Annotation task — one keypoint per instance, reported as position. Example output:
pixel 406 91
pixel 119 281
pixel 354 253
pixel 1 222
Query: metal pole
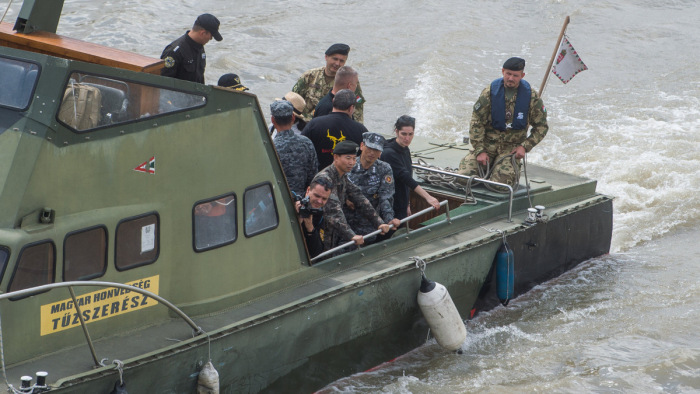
pixel 376 232
pixel 82 324
pixel 554 54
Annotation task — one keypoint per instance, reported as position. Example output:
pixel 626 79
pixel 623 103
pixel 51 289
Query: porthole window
pixel 137 242
pixel 214 222
pixel 260 210
pixel 85 254
pixel 36 266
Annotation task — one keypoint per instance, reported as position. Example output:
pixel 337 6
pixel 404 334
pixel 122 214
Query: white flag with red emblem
pixel 568 62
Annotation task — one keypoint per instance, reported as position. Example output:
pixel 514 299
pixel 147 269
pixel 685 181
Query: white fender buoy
pixel 208 381
pixel 441 314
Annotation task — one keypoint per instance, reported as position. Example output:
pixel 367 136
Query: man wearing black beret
pixel 336 229
pixel 499 126
pixel 317 82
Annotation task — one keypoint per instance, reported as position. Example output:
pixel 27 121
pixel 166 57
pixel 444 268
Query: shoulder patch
pixel 477 105
pixel 169 62
pixel 389 179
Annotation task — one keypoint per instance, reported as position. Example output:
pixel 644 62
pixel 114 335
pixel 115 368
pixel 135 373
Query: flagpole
pixel 551 61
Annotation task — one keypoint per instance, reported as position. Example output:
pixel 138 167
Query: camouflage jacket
pixel 481 133
pixel 298 158
pixel 335 228
pixel 377 185
pixel 314 84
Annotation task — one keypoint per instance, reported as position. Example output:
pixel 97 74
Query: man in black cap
pixel 336 230
pixel 185 58
pixel 231 81
pixel 499 126
pixel 327 131
pixel 317 82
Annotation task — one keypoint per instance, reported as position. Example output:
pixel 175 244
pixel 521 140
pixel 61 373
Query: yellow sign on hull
pixel 98 305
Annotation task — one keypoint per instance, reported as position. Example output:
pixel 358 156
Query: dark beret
pixel 346 148
pixel 341 49
pixel 514 64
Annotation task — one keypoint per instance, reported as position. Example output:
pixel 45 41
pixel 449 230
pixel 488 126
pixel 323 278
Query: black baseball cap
pixel 210 24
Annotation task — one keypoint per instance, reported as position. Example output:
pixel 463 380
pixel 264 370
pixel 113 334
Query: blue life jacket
pixel 498 105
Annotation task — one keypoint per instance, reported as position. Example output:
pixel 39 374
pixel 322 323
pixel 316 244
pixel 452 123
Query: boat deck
pixel 566 191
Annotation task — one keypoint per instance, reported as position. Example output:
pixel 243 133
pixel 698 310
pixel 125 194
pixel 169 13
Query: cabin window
pixel 214 222
pixel 137 242
pixel 17 79
pixel 92 101
pixel 260 210
pixel 85 254
pixel 4 255
pixel 36 266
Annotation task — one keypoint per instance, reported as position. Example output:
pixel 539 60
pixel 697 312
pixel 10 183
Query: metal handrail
pixel 42 288
pixel 376 232
pixel 467 177
pixel 69 285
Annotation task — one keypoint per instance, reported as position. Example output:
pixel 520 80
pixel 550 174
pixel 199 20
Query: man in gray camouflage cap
pixel 336 230
pixel 376 181
pixel 296 152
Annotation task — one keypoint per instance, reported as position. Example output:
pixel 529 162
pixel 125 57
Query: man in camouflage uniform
pixel 296 152
pixel 376 181
pixel 499 125
pixel 336 230
pixel 317 82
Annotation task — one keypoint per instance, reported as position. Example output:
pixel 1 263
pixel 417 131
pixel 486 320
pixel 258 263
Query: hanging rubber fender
pixel 505 273
pixel 208 380
pixel 441 314
pixel 119 388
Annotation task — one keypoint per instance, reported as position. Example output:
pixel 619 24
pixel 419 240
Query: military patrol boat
pixel 136 243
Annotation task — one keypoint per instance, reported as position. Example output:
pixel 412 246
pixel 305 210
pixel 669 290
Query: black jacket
pixel 184 59
pixel 399 158
pixel 326 131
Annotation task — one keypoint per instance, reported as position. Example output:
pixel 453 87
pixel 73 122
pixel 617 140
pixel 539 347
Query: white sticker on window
pixel 148 238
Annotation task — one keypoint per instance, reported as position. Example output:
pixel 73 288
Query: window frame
pixel 19 259
pixel 4 263
pixel 106 252
pixel 157 241
pixel 245 214
pixel 31 94
pixel 235 218
pixel 83 74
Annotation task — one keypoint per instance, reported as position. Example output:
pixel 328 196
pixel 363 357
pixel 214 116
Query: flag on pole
pixel 568 63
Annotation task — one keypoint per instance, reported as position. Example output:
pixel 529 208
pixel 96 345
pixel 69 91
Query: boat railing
pixel 39 289
pixel 474 179
pixel 377 232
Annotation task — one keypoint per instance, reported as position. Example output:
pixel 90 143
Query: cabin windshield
pixel 93 101
pixel 17 82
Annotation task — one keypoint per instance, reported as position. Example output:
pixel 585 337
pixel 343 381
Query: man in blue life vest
pixel 499 126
